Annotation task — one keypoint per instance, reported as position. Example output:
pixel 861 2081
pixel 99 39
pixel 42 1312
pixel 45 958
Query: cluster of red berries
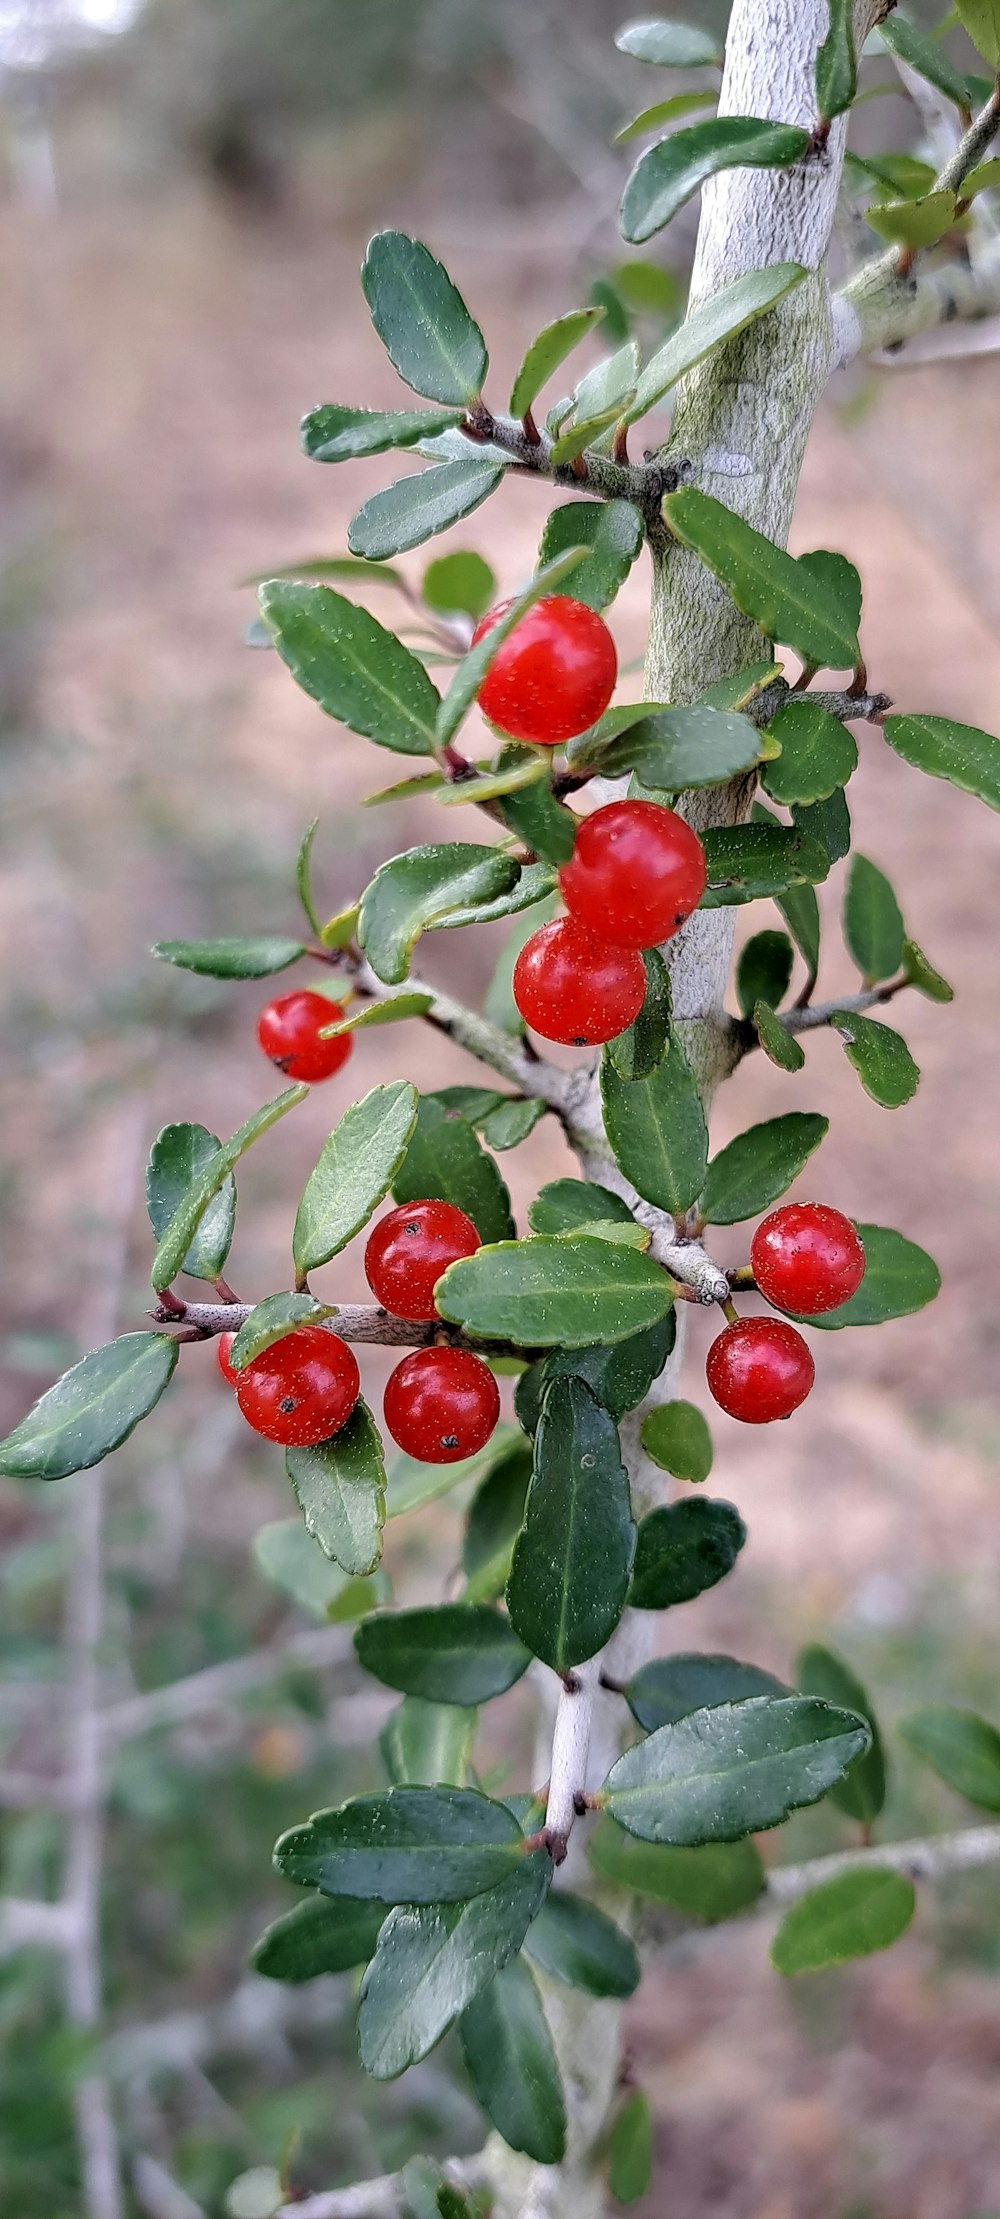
pixel 441 1404
pixel 806 1258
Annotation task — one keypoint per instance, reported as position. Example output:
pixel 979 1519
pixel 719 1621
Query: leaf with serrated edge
pixel 737 1769
pixel 175 1242
pixel 668 174
pixel 409 1845
pixel 677 1438
pixel 780 592
pixel 340 1489
pixel 611 532
pixel 413 890
pixel 554 1293
pixel 445 1162
pixel 759 1165
pixel 899 1278
pixel 92 1409
pixel 422 320
pixel 359 672
pixel 960 753
pixel 656 1128
pixel 270 1321
pixel 569 1205
pixel 431 1963
pixel 512 2064
pixel 817 754
pixel 779 1045
pixel 682 1549
pixel 356 1168
pixel 177 1156
pixel 546 352
pixel 570 1570
pixel 322 1935
pixel 728 311
pixel 670 1687
pixel 335 434
pixel 464 1653
pixel 413 509
pixel 851 1915
pixel 880 1057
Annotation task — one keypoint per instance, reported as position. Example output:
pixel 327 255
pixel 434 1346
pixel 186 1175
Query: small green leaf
pixel 340 1490
pixel 837 63
pixel 926 55
pixel 177 1157
pixel 880 1057
pixel 546 352
pixel 671 750
pixel 584 432
pixel 392 1011
pixel 667 175
pixel 417 889
pixel 423 321
pixel 91 1409
pixel 805 604
pixel 611 532
pixel 542 822
pixel 962 1749
pixel 728 312
pixel 606 388
pixel 512 2064
pixel 177 1237
pixel 459 584
pixel 619 1375
pixel 743 686
pixel 428 1744
pixel 827 821
pixel 922 975
pixel 899 1278
pixel 577 1943
pixel 665 111
pixel 524 767
pixel 446 1163
pixel 682 1549
pixel 669 44
pixel 231 959
pixel 272 1320
pixel 913 223
pixel 748 861
pixel 288 1556
pixel 817 755
pixel 570 1570
pixel 777 1042
pixel 764 970
pixel 461 1653
pixel 570 1205
pixel 336 434
pixel 643 1046
pixel 861 1793
pixel 411 1484
pixel 411 510
pixel 851 1915
pixel 358 1163
pixel 554 1293
pixel 359 672
pixel 534 881
pixel 961 753
pixel 985 178
pixel 339 929
pixel 677 1438
pixel 510 1123
pixel 736 1769
pixel 473 667
pixel 303 877
pixel 326 1933
pixel 495 1518
pixel 349 567
pixel 656 1127
pixel 873 922
pixel 748 1175
pixel 670 1687
pixel 800 910
pixel 630 2149
pixel 430 1964
pixel 714 1882
pixel 408 1845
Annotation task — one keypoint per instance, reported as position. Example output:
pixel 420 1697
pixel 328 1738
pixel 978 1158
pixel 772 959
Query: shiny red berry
pixel 302 1389
pixel 572 987
pixel 441 1404
pixel 636 872
pixel 554 674
pixel 222 1348
pixel 289 1030
pixel 807 1257
pixel 408 1251
pixel 760 1369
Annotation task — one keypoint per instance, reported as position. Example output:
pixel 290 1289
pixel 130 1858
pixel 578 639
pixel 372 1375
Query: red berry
pixel 222 1348
pixel 760 1369
pixel 807 1257
pixel 636 872
pixel 572 987
pixel 408 1251
pixel 302 1389
pixel 554 674
pixel 441 1404
pixel 289 1030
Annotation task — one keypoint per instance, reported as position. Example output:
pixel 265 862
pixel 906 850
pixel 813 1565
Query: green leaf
pixel 577 1943
pixel 736 1769
pixel 851 1915
pixel 640 1049
pixel 764 970
pixel 603 391
pixel 461 1653
pixel 333 566
pixel 808 606
pixel 671 1687
pixel 423 321
pixel 340 1490
pixel 91 1409
pixel 880 1057
pixel 837 63
pixel 665 111
pixel 445 1163
pixel 288 1556
pixel 800 910
pixel 630 2149
pixel 536 816
pixel 428 1744
pixel 817 755
pixel 682 1549
pixel 417 889
pixel 570 1570
pixel 714 1882
pixel 534 881
pixel 495 1518
pixel 677 1438
pixel 303 877
pixel 961 753
pixel 408 1845
pixel 583 432
pixel 777 1042
pixel 411 1484
pixel 177 1238
pixel 621 1375
pixel 914 223
pixel 962 1749
pixel 231 959
pixel 922 975
pixel 873 922
pixel 827 821
pixel 358 671
pixel 392 1011
pixel 462 583
pixel 570 1205
pixel 326 1933
pixel 669 44
pixel 728 312
pixel 861 1793
pixel 926 55
pixel 430 1964
pixel 748 1175
pixel 178 1156
pixel 510 1123
pixel 473 667
pixel 672 749
pixel 554 1293
pixel 411 510
pixel 512 2064
pixel 899 1278
pixel 524 767
pixel 357 1166
pixel 498 1003
pixel 656 1128
pixel 545 353
pixel 748 861
pixel 270 1321
pixel 983 179
pixel 743 686
pixel 667 175
pixel 611 532
pixel 336 434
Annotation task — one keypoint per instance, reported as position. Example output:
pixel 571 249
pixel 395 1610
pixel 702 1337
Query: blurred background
pixel 186 188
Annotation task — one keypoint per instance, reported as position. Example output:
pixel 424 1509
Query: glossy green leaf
pixel 899 1278
pixel 620 1375
pixel 291 1560
pixel 670 1687
pixel 639 1049
pixel 837 62
pixel 584 432
pixel 669 173
pixel 569 1205
pixel 926 55
pixel 411 510
pixel 431 1963
pixel 512 2064
pixel 962 1749
pixel 808 606
pixel 880 1057
pixel 92 1409
pixel 461 1653
pixel 303 877
pixel 677 1438
pixel 764 970
pixel 473 667
pixel 410 1484
pixel 416 889
pixel 922 975
pixel 570 1570
pixel 428 1744
pixel 179 1234
pixel 669 44
pixel 861 1793
pixel 445 1162
pixel 579 1944
pixel 340 1490
pixel 272 1320
pixel 960 753
pixel 462 583
pixel 178 1156
pixel 495 1518
pixel 358 671
pixel 683 1548
pixel 603 390
pixel 630 2149
pixel 322 1935
pixel 851 1915
pixel 656 1128
pixel 873 922
pixel 408 1845
pixel 665 111
pixel 339 929
pixel 392 1011
pixel 524 767
pixel 554 1293
pixel 741 687
pixel 546 352
pixel 422 320
pixel 533 882
pixel 913 223
pixel 827 821
pixel 748 861
pixel 800 910
pixel 611 532
pixel 231 959
pixel 545 825
pixel 511 1123
pixel 736 1769
pixel 750 1173
pixel 358 1163
pixel 674 749
pixel 714 1882
pixel 708 326
pixel 817 755
pixel 336 434
pixel 777 1042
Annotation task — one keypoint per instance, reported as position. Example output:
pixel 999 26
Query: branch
pixel 570 1747
pixel 930 1858
pixel 812 1015
pixel 504 1053
pixel 363 1322
pixel 384 2198
pixel 642 483
pixel 317 1648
